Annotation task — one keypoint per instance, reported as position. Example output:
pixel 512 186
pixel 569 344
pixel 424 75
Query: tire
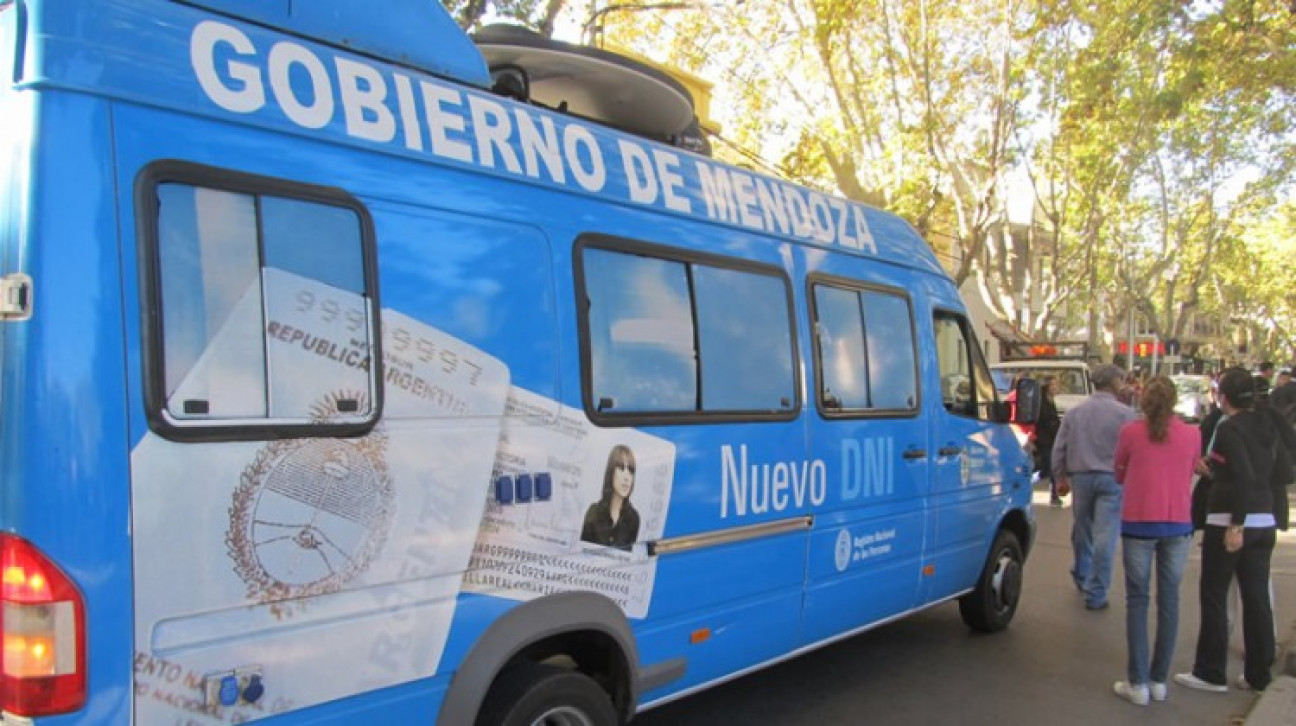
pixel 990 607
pixel 536 694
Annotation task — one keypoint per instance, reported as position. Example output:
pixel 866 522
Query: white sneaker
pixel 1195 683
pixel 1137 695
pixel 1242 684
pixel 1159 692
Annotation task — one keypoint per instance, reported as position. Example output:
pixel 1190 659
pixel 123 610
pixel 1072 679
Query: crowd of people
pixel 1143 482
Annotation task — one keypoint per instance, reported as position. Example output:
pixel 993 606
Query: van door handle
pixel 950 450
pixel 912 454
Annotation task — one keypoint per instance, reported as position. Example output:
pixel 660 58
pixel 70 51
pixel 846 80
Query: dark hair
pixel 1261 386
pixel 1045 384
pixel 1158 404
pixel 618 455
pixel 1238 386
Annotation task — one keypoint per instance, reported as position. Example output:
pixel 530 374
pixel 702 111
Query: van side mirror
pixel 1029 393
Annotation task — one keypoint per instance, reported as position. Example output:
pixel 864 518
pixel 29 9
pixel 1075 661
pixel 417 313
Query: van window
pixel 744 340
pixel 682 336
pixel 865 350
pixel 265 316
pixel 966 386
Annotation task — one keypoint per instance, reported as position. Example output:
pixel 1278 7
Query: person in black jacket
pixel 1283 397
pixel 1250 470
pixel 1267 406
pixel 1201 488
pixel 1046 428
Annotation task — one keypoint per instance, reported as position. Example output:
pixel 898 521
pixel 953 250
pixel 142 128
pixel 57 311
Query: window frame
pixel 859 286
pixel 971 347
pixel 152 335
pixel 629 246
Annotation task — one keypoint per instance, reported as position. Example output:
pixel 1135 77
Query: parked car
pixel 1194 396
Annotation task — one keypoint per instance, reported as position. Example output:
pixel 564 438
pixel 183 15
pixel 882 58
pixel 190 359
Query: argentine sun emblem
pixel 310 514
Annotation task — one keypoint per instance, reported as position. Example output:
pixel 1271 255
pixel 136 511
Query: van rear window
pixel 261 304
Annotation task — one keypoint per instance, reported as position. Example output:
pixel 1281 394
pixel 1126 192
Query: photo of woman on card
pixel 612 521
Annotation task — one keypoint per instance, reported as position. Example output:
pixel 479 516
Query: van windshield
pixel 1070 380
pixel 1187 386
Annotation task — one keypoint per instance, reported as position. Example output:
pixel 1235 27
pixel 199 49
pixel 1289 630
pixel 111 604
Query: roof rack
pixel 591 83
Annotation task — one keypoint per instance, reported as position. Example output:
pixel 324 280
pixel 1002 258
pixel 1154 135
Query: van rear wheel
pixel 537 694
pixel 990 607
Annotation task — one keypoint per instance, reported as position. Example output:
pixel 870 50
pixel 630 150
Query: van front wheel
pixel 991 606
pixel 537 694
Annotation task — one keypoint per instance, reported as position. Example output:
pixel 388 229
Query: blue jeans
pixel 1171 554
pixel 1096 506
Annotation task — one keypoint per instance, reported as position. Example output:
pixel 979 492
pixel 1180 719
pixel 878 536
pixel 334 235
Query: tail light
pixel 42 615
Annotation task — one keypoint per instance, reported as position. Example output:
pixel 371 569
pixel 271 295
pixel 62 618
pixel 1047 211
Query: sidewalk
pixel 1277 705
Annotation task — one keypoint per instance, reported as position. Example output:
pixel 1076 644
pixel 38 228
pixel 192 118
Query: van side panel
pixel 488 284
pixel 246 604
pixel 65 477
pixel 868 546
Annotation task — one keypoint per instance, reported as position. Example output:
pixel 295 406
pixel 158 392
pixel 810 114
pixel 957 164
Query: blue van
pixel 349 371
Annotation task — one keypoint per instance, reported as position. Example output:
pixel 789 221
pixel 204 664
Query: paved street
pixel 1055 664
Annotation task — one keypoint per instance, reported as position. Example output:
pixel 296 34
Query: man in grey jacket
pixel 1084 458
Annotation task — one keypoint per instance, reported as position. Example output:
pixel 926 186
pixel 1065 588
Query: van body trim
pixel 795 653
pixel 685 543
pixel 660 674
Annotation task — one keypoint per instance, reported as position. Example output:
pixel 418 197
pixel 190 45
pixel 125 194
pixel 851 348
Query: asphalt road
pixel 1054 665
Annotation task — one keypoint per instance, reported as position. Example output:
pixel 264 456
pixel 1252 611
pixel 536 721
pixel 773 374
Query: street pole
pixel 1129 362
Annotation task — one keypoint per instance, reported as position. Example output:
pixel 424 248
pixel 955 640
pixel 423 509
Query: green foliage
pixel 1150 138
pixel 537 14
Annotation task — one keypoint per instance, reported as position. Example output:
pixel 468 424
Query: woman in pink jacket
pixel 1154 464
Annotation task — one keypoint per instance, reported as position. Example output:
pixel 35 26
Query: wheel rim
pixel 563 716
pixel 1006 583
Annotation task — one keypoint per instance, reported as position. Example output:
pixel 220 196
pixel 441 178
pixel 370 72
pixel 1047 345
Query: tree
pixel 537 14
pixel 914 107
pixel 1148 133
pixel 1255 284
pixel 1221 158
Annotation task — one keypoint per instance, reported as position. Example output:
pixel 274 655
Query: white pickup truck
pixel 1072 376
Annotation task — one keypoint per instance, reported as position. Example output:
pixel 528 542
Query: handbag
pixel 1200 501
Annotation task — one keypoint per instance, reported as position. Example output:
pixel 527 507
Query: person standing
pixel 1283 398
pixel 1025 433
pixel 1154 464
pixel 1083 462
pixel 1250 470
pixel 1284 378
pixel 1046 429
pixel 1263 379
